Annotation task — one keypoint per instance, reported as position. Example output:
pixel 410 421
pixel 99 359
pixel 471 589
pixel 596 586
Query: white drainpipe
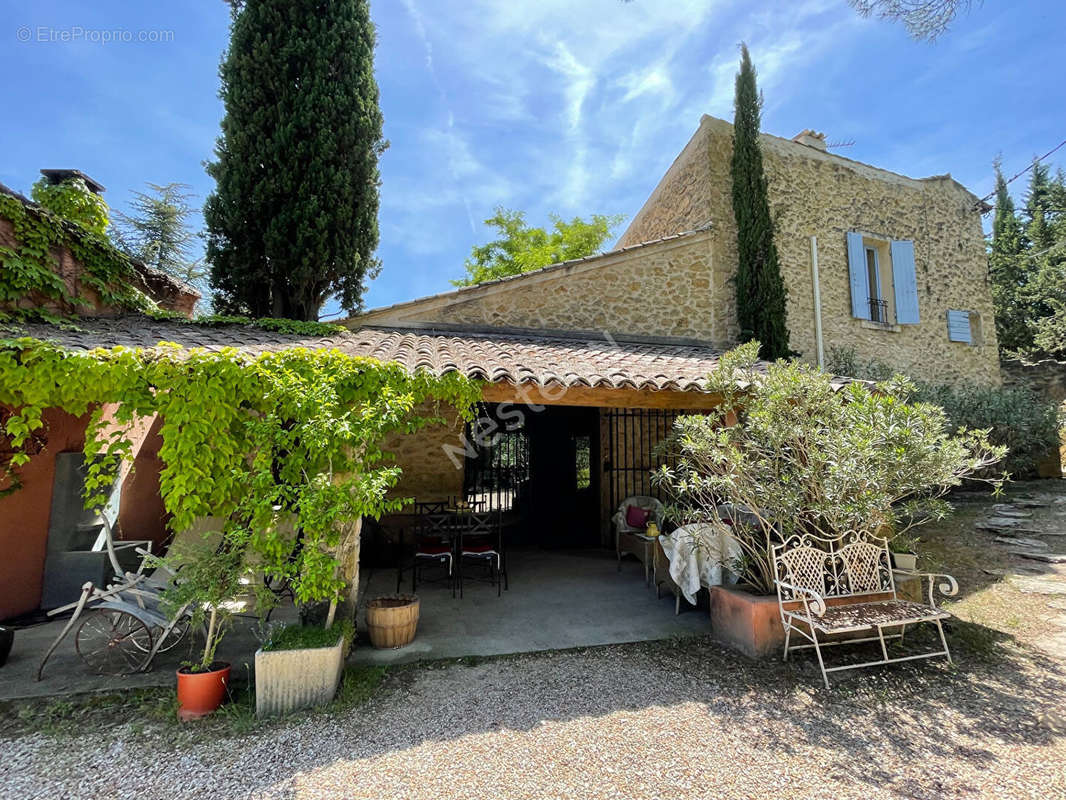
pixel 817 303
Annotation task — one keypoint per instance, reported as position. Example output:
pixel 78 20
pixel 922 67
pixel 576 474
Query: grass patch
pixel 300 637
pixel 358 684
pixel 154 711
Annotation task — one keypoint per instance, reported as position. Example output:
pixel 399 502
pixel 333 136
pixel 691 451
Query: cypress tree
pixel 1008 272
pixel 759 286
pixel 293 218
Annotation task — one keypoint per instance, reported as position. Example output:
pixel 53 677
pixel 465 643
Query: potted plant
pixel 300 666
pixel 904 552
pixel 204 587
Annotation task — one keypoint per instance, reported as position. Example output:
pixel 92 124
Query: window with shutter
pixel 860 296
pixel 959 327
pixel 905 281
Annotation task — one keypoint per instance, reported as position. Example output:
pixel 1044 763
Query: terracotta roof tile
pixel 543 358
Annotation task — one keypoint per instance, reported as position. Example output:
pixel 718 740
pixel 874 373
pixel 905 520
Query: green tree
pixel 158 231
pixel 293 218
pixel 759 286
pixel 1039 211
pixel 520 248
pixel 1008 272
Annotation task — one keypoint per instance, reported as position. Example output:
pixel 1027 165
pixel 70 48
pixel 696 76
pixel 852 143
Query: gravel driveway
pixel 659 720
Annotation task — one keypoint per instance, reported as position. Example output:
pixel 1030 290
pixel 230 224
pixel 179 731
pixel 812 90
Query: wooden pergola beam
pixel 599 397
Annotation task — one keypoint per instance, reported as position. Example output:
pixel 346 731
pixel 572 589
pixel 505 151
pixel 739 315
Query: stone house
pixel 587 363
pixel 891 266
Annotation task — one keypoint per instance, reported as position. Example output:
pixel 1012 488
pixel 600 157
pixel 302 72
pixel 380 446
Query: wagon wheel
pixel 113 642
pixel 174 638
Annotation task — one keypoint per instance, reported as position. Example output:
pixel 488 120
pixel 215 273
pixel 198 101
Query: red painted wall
pixel 24 515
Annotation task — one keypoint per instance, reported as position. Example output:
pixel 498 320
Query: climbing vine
pixel 296 433
pixel 30 270
pixel 293 326
pixel 71 199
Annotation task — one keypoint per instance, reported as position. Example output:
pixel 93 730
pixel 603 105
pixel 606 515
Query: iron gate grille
pixel 633 436
pixel 497 466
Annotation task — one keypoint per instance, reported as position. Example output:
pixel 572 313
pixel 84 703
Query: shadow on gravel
pixel 997 696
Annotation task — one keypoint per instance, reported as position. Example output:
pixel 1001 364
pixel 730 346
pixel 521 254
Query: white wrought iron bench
pixel 827 587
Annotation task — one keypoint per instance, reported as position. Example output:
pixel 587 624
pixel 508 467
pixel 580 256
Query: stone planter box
pixel 751 623
pixel 287 680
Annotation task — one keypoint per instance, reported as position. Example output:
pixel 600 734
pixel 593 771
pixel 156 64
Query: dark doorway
pixel 564 444
pixel 541 469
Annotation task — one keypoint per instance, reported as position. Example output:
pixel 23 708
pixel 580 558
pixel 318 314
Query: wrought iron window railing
pixel 879 311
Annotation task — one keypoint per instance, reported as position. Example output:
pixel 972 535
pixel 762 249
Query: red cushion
pixel 478 548
pixel 637 517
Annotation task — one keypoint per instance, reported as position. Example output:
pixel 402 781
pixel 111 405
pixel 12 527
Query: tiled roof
pixel 542 358
pixel 546 358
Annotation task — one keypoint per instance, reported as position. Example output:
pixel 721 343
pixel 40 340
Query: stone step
pixel 1047 558
pixel 1032 544
pixel 997 523
pixel 1038 585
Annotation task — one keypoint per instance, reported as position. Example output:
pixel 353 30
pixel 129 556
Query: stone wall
pixel 825 195
pixel 428 471
pixel 1046 378
pixel 663 289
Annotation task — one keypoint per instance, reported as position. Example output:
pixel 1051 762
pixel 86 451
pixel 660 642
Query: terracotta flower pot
pixel 200 693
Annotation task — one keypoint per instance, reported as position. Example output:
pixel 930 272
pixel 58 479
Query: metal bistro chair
pixel 434 543
pixel 481 540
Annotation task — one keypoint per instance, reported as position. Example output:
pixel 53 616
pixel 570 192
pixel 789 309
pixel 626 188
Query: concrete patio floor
pixel 556 600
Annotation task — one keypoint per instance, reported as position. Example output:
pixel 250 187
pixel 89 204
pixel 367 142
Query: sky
pixel 572 107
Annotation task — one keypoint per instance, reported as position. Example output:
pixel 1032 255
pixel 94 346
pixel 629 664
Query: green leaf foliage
pixel 1015 417
pixel 159 233
pixel 298 637
pixel 805 458
pixel 293 218
pixel 1027 266
pixel 72 200
pixel 294 436
pixel 521 248
pixel 760 289
pixel 29 272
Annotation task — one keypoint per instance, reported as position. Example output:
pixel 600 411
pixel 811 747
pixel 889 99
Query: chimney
pixel 57 176
pixel 811 139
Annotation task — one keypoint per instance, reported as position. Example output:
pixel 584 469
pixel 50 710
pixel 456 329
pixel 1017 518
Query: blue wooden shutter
pixel 905 281
pixel 959 326
pixel 860 292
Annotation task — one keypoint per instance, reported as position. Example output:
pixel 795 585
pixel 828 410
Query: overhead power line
pixel 1015 177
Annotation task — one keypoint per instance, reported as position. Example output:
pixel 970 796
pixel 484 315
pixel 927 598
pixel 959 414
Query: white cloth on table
pixel 700 555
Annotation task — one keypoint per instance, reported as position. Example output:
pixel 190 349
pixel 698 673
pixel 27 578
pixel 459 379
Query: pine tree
pixel 759 287
pixel 158 231
pixel 1008 272
pixel 293 218
pixel 1038 207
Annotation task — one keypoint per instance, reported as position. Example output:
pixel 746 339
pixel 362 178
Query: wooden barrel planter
pixel 392 620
